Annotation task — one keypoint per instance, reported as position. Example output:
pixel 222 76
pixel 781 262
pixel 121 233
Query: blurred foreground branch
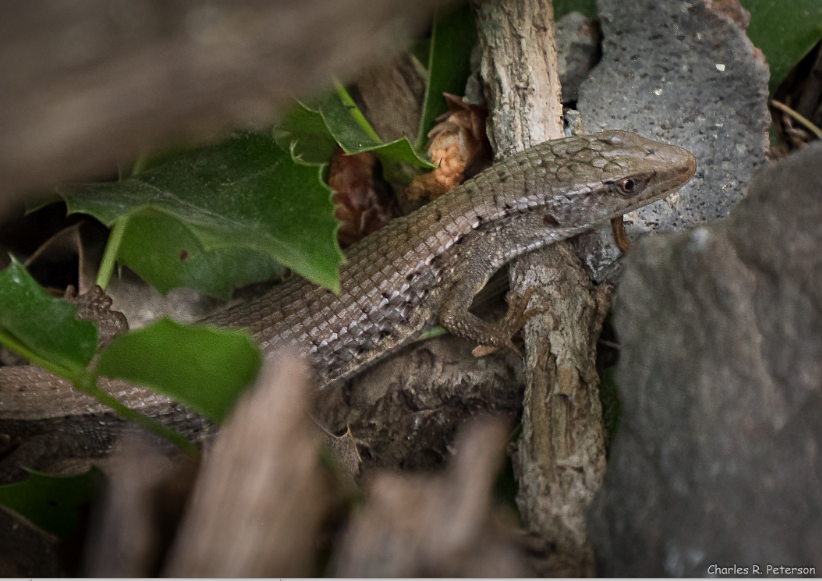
pixel 85 84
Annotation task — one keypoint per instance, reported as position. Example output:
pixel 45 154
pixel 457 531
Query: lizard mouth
pixel 679 166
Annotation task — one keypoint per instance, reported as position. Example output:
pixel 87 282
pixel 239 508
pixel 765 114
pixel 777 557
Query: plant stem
pixel 802 120
pixel 109 257
pixel 355 111
pixel 89 386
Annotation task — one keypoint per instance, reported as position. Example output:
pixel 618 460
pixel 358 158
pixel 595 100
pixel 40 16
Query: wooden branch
pixel 519 59
pixel 561 454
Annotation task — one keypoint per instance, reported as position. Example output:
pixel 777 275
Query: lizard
pixel 419 270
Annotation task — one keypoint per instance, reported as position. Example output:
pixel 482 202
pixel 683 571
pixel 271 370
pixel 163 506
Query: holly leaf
pixel 784 31
pixel 203 367
pixel 41 327
pixel 52 503
pixel 220 217
pixel 452 39
pixel 313 131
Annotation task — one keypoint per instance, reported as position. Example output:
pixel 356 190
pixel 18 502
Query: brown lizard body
pixel 420 270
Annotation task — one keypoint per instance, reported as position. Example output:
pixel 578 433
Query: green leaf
pixel 400 151
pixel 452 41
pixel 784 31
pixel 205 368
pixel 43 329
pixel 223 215
pixel 349 106
pixel 312 132
pixel 586 7
pixel 39 326
pixel 160 243
pixel 51 503
pixel 342 127
pixel 303 133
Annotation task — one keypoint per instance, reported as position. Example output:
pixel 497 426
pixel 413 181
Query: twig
pixel 804 121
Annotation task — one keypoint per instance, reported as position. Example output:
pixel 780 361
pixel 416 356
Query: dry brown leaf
pixel 458 145
pixel 362 206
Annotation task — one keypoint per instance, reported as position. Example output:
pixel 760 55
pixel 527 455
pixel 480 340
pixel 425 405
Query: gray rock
pixel 577 52
pixel 678 72
pixel 718 461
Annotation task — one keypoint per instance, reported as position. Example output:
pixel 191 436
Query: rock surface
pixel 676 71
pixel 577 51
pixel 717 459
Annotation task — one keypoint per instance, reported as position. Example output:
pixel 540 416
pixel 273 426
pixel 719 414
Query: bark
pixel 561 455
pixel 519 68
pixel 404 412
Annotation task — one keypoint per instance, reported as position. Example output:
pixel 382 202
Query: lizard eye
pixel 627 187
pixel 630 187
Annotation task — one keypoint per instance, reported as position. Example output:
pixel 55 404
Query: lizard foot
pixel 503 330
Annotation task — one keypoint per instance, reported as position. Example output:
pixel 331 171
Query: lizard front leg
pixel 474 267
pixel 489 335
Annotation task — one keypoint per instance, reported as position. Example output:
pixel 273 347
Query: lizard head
pixel 605 175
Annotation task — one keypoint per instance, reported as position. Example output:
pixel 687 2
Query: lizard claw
pixel 518 314
pixel 504 329
pixel 518 311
